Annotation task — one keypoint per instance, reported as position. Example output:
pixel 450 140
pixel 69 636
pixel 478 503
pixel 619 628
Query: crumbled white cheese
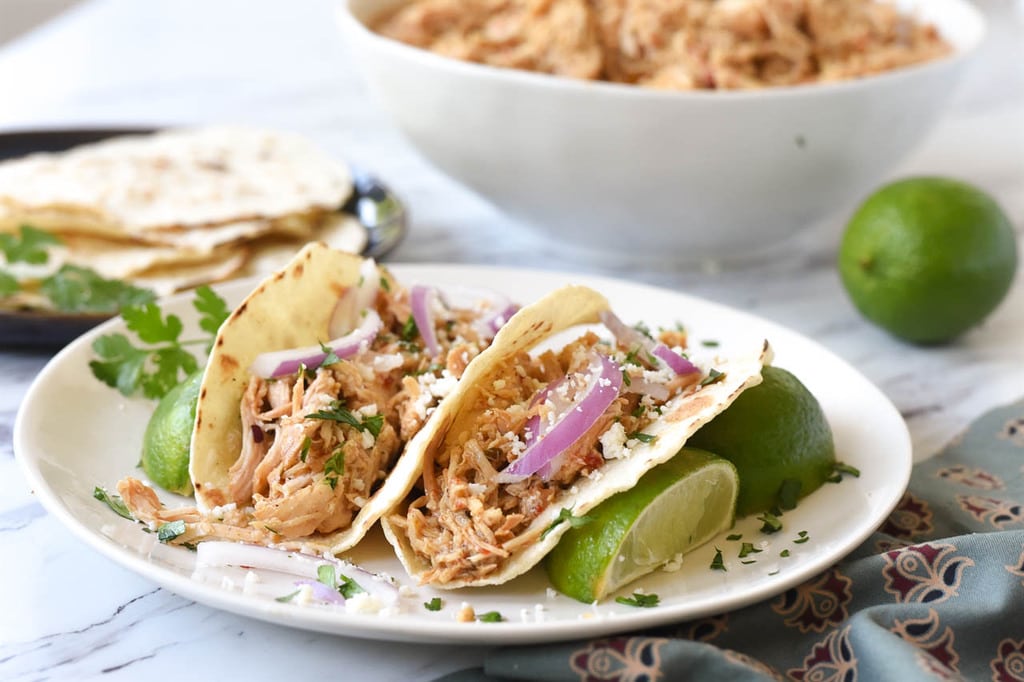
pixel 383 364
pixel 659 376
pixel 405 591
pixel 368 410
pixel 613 442
pixel 367 439
pixel 305 595
pixel 551 593
pixel 443 385
pixel 228 584
pixel 498 384
pixel 220 510
pixel 363 602
pixel 516 446
pixel 251 580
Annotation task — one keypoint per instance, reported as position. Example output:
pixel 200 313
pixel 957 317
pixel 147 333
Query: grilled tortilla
pixel 468 527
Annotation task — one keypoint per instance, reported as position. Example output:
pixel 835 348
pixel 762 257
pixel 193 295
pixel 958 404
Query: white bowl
pixel 619 167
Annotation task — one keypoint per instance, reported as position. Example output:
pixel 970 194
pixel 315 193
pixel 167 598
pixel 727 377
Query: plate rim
pixel 376 627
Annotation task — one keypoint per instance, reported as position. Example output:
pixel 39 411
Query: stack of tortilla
pixel 179 208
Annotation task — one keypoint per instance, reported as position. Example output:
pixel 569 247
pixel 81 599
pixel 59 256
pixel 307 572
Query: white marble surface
pixel 69 613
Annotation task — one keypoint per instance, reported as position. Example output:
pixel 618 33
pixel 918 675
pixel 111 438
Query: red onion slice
pixel 422 300
pixel 657 352
pixel 284 362
pixel 603 381
pixel 219 553
pixel 357 299
pixel 322 592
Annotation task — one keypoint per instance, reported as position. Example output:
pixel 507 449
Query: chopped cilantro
pixel 803 537
pixel 710 343
pixel 409 329
pixel 747 562
pixel 643 329
pixel 334 467
pixel 566 515
pixel 75 289
pixel 114 502
pixel 166 532
pixel 642 437
pixel 789 493
pixel 784 553
pixel 304 451
pixel 212 309
pixel 325 574
pixel 717 564
pixel 287 598
pixel 626 379
pixel 338 413
pixel 713 377
pixel 748 548
pixel 638 411
pixel 841 468
pixel 385 284
pixel 349 587
pixel 8 285
pixel 734 536
pixel 771 523
pixel 434 604
pixel 429 369
pixel 639 600
pixel 28 246
pixel 490 617
pixel 330 357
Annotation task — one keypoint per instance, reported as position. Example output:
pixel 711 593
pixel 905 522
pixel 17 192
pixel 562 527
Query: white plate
pixel 73 433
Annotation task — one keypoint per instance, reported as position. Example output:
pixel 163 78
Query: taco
pixel 529 439
pixel 297 438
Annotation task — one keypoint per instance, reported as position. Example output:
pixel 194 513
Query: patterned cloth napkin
pixel 936 593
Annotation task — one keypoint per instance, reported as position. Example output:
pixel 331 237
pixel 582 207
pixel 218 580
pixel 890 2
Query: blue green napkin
pixel 936 594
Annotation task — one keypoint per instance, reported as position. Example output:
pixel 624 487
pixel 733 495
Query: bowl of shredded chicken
pixel 683 127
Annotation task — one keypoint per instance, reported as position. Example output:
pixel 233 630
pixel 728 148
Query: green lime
pixel 165 445
pixel 928 258
pixel 673 508
pixel 777 436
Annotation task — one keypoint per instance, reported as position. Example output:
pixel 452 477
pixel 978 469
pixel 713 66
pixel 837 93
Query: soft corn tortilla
pixel 533 325
pixel 292 308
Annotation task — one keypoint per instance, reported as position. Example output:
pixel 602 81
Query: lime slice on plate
pixel 674 508
pixel 167 441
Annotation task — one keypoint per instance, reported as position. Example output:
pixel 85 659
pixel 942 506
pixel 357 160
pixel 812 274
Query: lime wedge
pixel 167 441
pixel 674 508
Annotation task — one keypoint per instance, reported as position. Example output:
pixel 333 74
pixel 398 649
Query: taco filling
pixel 318 429
pixel 547 436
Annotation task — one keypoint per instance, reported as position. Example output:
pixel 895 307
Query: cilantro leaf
pixel 713 377
pixel 642 437
pixel 212 310
pixel 150 325
pixel 639 600
pixel 718 564
pixel 409 329
pixel 166 532
pixel 490 617
pixel 339 413
pixel 789 493
pixel 349 587
pixel 747 548
pixel 330 357
pixel 76 289
pixel 566 515
pixel 8 285
pixel 114 502
pixel 771 523
pixel 434 604
pixel 325 574
pixel 334 467
pixel 28 246
pixel 120 365
pixel 304 451
pixel 287 597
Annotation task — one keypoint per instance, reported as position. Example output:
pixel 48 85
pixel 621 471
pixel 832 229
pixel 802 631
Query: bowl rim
pixel 351 23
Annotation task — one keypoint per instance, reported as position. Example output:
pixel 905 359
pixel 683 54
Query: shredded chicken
pixel 673 44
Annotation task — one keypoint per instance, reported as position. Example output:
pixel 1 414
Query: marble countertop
pixel 70 613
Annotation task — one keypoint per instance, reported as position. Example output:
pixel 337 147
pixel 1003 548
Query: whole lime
pixel 928 258
pixel 777 436
pixel 167 441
